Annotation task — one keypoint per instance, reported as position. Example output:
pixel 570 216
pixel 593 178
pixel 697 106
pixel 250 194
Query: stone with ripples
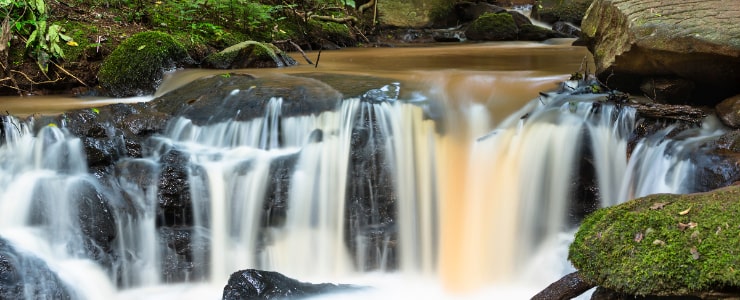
pixel 694 40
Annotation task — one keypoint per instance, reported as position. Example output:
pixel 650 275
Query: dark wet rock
pixel 96 219
pixel 586 197
pixel 100 152
pixel 469 11
pixel 566 28
pixel 249 54
pixel 242 97
pixel 137 66
pixel 718 164
pixel 493 27
pixel 185 255
pixel 275 207
pixel 371 202
pixel 85 122
pixel 256 285
pixel 668 90
pixel 695 41
pixel 568 287
pixel 173 190
pixel 729 111
pixel 26 277
pixel 144 124
pixel 519 19
pixel 531 32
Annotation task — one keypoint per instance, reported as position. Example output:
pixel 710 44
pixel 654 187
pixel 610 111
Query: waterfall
pixel 375 185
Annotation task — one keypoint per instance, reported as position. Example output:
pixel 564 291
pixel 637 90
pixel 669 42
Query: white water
pixel 481 215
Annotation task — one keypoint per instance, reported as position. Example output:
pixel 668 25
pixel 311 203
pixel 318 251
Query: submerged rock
pixel 695 41
pixel 256 285
pixel 663 245
pixel 25 277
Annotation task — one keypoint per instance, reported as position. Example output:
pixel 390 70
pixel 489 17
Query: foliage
pixel 663 244
pixel 29 19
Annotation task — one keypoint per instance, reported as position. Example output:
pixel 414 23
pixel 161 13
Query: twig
pixel 366 6
pixel 318 57
pixel 34 82
pixel 70 74
pixel 298 48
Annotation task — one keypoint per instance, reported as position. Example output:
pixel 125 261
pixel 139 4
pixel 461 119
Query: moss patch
pixel 663 244
pixel 137 65
pixel 493 27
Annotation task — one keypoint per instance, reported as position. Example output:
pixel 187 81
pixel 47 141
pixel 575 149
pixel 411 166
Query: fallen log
pixel 568 287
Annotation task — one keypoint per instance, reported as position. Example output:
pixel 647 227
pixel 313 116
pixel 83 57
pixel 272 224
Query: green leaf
pixel 56 50
pixel 41 7
pixel 141 47
pixel 65 37
pixel 31 38
pixel 5 3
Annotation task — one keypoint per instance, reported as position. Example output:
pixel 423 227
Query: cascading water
pixel 475 207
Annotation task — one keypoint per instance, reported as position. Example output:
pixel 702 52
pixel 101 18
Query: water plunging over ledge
pixel 480 209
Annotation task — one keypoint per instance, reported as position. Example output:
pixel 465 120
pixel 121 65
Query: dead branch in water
pixel 568 287
pixel 297 48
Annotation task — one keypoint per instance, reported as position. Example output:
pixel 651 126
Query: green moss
pixel 81 33
pixel 332 31
pixel 689 245
pixel 570 11
pixel 491 26
pixel 137 65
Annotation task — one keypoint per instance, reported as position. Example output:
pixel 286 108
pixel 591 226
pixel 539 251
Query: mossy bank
pixel 663 244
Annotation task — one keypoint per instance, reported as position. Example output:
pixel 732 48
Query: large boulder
pixel 410 14
pixel 257 285
pixel 249 54
pixel 493 27
pixel 696 41
pixel 552 11
pixel 242 97
pixel 137 66
pixel 663 245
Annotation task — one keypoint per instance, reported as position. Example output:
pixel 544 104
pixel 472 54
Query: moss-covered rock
pixel 331 31
pixel 249 54
pixel 663 244
pixel 137 65
pixel 493 27
pixel 571 11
